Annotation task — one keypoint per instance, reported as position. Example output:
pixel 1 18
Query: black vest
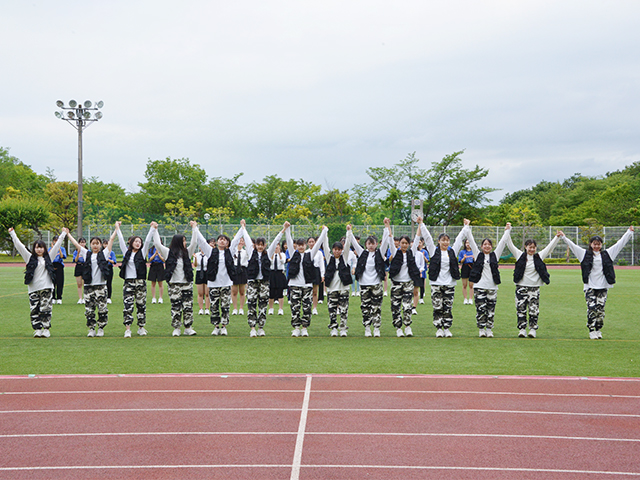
pixel 343 271
pixel 214 259
pixel 476 270
pixel 138 261
pixel 33 263
pixel 607 267
pixel 172 263
pixel 539 265
pixel 307 266
pixel 396 265
pixel 379 263
pixel 254 267
pixel 103 264
pixel 436 261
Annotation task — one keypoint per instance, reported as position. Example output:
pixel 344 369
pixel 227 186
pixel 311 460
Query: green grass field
pixel 562 346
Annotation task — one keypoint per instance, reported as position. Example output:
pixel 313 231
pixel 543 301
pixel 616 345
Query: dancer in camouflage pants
pixel 181 296
pixel 401 303
pixel 338 304
pixel 527 298
pixel 220 298
pixel 134 291
pixel 371 304
pixel 257 293
pixel 41 303
pixel 442 300
pixel 96 296
pixel 301 299
pixel 485 300
pixel 596 299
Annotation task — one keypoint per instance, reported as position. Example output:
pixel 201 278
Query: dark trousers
pixel 58 286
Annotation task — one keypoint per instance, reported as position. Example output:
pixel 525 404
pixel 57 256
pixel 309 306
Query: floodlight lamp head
pixel 71 114
pixel 100 104
pixel 87 104
pixel 57 114
pixel 73 103
pixel 86 115
pixel 98 115
pixel 60 104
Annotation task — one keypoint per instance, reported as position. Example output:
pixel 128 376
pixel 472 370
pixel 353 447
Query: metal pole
pixel 79 179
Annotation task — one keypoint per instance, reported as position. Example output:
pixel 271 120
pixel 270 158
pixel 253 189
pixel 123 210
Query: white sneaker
pixel 376 332
pixel 223 331
pixel 295 332
pixel 532 333
pixel 176 332
pixel 189 331
pixel 240 312
pixel 207 312
pixel 127 333
pixel 334 332
pixel 303 332
pixel 60 301
pixel 385 293
pixel 235 312
pixel 83 301
pixel 261 332
pixel 47 334
pixel 399 332
pixel 37 333
pixel 522 333
pixel 142 331
pixel 100 333
pixel 314 311
pixel 201 312
pixel 216 331
pixel 153 300
pixel 79 301
pixel 108 301
pixel 92 333
pixel 343 333
pixel 253 333
pixel 593 335
pixel 439 333
pixel 447 333
pixel 489 333
pixel 414 311
pixel 271 311
pixel 320 301
pixel 421 301
pixel 407 331
pixel 280 312
pixel 597 331
pixel 358 293
pixel 353 294
pixel 367 331
pixel 481 332
pixel 160 300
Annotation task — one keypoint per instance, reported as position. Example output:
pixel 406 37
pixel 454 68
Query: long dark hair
pixel 132 239
pixel 178 249
pixel 39 243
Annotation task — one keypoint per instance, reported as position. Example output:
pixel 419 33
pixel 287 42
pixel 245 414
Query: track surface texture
pixel 318 427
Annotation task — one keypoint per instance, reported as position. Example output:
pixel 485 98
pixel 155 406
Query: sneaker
pixel 532 333
pixel 127 333
pixel 334 332
pixel 376 332
pixel 153 300
pixel 216 331
pixel 439 333
pixel 142 331
pixel 489 333
pixel 189 331
pixel 271 311
pixel 367 331
pixel 261 332
pixel 522 333
pixel 201 312
pixel 92 333
pixel 100 333
pixel 108 301
pixel 303 332
pixel 47 334
pixel 240 312
pixel 295 332
pixel 253 333
pixel 60 301
pixel 482 332
pixel 353 294
pixel 320 301
pixel 385 294
pixel 223 331
pixel 160 300
pixel 207 312
pixel 598 332
pixel 235 312
pixel 407 331
pixel 593 335
pixel 399 332
pixel 358 293
pixel 447 333
pixel 79 301
pixel 414 311
pixel 314 311
pixel 280 312
pixel 176 332
pixel 37 333
pixel 83 301
pixel 421 301
pixel 343 333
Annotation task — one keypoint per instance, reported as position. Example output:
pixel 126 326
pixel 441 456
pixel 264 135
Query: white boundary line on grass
pixel 297 455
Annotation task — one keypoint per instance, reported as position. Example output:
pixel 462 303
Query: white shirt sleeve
pixel 22 250
pixel 579 252
pixel 549 248
pixel 428 240
pixel 619 245
pixel 201 241
pixel 272 248
pixel 147 243
pixel 158 243
pixel 511 246
pixel 123 244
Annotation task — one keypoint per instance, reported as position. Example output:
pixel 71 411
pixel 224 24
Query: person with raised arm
pixel 338 280
pixel 598 276
pixel 529 274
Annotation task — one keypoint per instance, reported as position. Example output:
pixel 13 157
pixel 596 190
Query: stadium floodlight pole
pixel 78 115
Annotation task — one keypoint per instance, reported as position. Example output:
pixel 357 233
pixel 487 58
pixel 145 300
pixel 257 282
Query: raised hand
pixel 466 222
pixel 118 223
pixel 193 223
pixel 559 233
pixel 507 226
pixel 154 225
pixel 286 225
pixel 349 227
pixel 10 229
pixel 387 222
pixel 243 223
pixel 65 230
pixel 631 228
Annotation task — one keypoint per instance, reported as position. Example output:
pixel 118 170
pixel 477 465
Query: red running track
pixel 318 427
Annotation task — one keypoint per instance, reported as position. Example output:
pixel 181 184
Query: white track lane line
pixel 79 392
pixel 297 454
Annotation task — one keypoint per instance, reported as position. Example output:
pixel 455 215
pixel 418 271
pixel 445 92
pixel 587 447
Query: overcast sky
pixel 322 90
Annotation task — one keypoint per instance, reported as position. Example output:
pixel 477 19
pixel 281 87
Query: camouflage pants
pixel 300 302
pixel 96 296
pixel 401 303
pixel 338 304
pixel 220 298
pixel 442 301
pixel 485 300
pixel 371 304
pixel 41 303
pixel 527 298
pixel 596 299
pixel 257 296
pixel 181 297
pixel 135 291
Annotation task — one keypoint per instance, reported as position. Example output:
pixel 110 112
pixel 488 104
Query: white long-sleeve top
pixel 41 279
pixel 178 273
pixel 222 278
pixel 269 252
pixel 336 283
pixel 403 274
pixel 96 274
pixel 370 276
pixel 531 278
pixel 299 280
pixel 444 277
pixel 486 280
pixel 200 261
pixel 596 277
pixel 130 267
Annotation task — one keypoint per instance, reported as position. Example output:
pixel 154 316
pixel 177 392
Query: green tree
pixel 63 199
pixel 20 177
